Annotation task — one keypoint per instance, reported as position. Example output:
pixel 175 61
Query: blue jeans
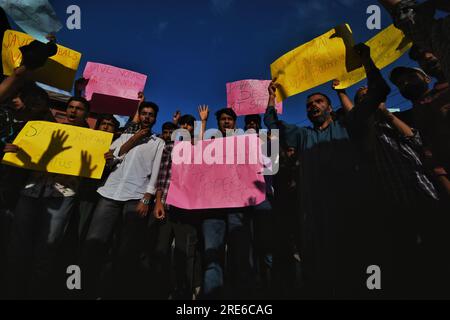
pixel 38 228
pixel 232 229
pixel 108 215
pixel 263 226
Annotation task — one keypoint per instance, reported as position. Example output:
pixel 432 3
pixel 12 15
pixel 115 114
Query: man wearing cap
pixel 432 117
pixel 403 191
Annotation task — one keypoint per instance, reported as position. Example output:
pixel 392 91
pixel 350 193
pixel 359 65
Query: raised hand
pixel 35 54
pixel 141 97
pixel 273 88
pixel 203 111
pixel 51 37
pixel 363 51
pixel 335 83
pixel 176 117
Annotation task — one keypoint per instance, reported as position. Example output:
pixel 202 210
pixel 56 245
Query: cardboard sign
pixel 59 148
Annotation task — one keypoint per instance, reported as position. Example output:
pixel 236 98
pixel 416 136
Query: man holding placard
pixel 232 224
pixel 332 190
pixel 44 210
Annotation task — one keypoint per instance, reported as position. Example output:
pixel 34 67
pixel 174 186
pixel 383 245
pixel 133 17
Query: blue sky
pixel 191 49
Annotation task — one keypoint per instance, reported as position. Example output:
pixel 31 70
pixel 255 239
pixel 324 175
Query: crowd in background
pixel 362 186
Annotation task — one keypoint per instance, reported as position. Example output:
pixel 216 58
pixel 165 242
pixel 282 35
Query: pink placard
pixel 233 181
pixel 249 97
pixel 113 90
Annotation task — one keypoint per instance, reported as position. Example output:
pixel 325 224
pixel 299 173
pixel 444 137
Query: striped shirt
pixel 400 168
pixel 165 172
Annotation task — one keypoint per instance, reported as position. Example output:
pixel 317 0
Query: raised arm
pixel 288 133
pixel 346 103
pixel 13 83
pixel 398 124
pixel 271 117
pixel 378 89
pixel 133 141
pixel 203 111
pixel 34 56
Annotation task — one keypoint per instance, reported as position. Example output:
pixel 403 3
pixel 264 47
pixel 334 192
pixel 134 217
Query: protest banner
pixel 314 63
pixel 36 17
pixel 219 173
pixel 113 90
pixel 385 48
pixel 250 97
pixel 58 148
pixel 331 56
pixel 59 71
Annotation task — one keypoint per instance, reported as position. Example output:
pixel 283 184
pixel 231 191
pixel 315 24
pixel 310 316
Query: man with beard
pixel 125 197
pixel 432 116
pixel 332 191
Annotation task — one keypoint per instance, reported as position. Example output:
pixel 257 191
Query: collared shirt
pixel 137 171
pixel 165 172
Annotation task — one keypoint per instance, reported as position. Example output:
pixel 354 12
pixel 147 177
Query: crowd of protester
pixel 360 187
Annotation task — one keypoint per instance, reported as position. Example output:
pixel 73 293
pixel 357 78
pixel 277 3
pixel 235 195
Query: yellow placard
pixel 314 63
pixel 385 48
pixel 331 56
pixel 58 148
pixel 59 71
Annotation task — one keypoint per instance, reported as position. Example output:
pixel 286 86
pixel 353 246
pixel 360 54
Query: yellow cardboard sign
pixel 313 63
pixel 59 71
pixel 385 48
pixel 59 148
pixel 331 56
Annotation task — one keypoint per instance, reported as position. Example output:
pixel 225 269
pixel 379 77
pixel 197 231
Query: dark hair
pixel 226 111
pixel 320 94
pixel 152 105
pixel 357 96
pixel 109 117
pixel 187 119
pixel 415 53
pixel 253 117
pixel 86 103
pixel 169 126
pixel 35 99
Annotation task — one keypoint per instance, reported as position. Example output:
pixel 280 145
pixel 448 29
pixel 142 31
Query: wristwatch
pixel 145 201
